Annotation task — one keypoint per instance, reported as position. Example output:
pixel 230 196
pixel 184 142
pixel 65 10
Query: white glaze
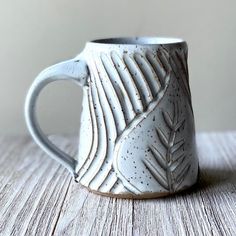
pixel 137 135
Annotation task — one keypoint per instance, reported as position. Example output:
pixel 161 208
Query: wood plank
pixel 39 197
pixel 33 188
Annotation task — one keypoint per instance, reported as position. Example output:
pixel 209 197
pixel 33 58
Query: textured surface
pixel 137 97
pixel 38 196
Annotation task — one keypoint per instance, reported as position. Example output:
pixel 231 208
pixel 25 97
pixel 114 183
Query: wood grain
pixel 38 196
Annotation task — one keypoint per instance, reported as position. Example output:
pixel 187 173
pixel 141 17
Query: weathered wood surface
pixel 38 196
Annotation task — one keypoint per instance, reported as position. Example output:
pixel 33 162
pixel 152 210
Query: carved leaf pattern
pixel 175 165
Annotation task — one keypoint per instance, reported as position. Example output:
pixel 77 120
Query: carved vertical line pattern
pixel 102 137
pixel 163 58
pixel 157 66
pixel 148 73
pixel 128 82
pixel 140 81
pixel 105 164
pixel 112 98
pixel 129 76
pixel 117 83
pixel 145 88
pixel 151 106
pixel 89 159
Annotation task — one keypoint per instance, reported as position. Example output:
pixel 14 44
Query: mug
pixel 137 136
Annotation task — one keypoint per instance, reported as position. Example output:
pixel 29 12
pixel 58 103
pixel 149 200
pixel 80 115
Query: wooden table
pixel 39 197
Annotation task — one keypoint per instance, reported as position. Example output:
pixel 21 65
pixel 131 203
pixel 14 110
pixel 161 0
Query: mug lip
pixel 140 41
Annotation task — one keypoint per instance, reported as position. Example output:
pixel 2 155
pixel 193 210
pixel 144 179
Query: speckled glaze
pixel 137 136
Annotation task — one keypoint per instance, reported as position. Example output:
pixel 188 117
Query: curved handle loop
pixel 75 70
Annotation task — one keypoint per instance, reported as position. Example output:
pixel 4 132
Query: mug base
pixel 147 195
pixel 142 196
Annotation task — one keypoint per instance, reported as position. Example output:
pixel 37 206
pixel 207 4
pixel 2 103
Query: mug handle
pixel 75 70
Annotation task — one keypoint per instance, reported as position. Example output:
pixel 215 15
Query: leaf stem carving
pixel 175 166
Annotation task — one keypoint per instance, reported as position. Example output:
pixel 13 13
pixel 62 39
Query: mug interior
pixel 139 40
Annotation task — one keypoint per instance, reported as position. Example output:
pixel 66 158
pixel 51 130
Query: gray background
pixel 36 34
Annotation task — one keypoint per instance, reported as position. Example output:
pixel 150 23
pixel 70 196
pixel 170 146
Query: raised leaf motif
pixel 176 167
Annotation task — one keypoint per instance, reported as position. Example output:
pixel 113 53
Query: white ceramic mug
pixel 137 137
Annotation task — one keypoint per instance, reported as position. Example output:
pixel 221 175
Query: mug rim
pixel 141 41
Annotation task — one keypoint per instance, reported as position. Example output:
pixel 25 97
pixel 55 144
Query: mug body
pixel 137 136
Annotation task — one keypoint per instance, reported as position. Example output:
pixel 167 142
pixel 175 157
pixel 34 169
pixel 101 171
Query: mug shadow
pixel 210 179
